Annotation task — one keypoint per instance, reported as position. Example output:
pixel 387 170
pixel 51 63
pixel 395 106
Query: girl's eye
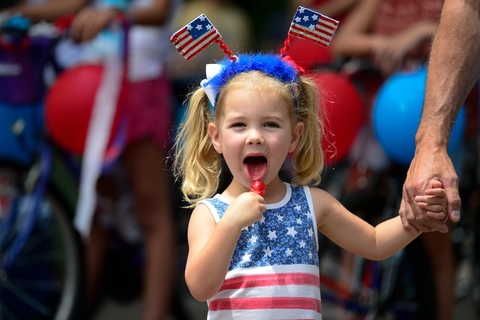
pixel 238 124
pixel 271 125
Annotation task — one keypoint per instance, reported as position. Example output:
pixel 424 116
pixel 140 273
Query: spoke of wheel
pixel 38 259
pixel 27 299
pixel 35 239
pixel 39 285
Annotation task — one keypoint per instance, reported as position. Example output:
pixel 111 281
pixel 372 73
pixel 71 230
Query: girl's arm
pixel 359 237
pixel 211 245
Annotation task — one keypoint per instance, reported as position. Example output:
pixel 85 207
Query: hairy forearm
pixel 453 68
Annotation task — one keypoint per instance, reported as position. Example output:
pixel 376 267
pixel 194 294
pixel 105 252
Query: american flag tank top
pixel 274 272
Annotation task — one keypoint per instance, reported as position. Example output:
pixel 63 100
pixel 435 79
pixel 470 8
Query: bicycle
pixel 40 252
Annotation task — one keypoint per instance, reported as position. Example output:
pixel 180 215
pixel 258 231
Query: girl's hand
pixel 434 201
pixel 245 210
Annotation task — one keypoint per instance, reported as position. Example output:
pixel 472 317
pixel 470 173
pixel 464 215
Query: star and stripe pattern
pixel 195 36
pixel 313 26
pixel 274 268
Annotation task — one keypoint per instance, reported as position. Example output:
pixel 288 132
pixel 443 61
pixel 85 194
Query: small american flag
pixel 195 36
pixel 313 26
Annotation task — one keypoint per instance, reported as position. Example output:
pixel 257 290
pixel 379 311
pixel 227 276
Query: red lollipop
pixel 258 187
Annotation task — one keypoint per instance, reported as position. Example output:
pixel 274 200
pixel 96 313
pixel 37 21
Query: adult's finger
pixel 453 201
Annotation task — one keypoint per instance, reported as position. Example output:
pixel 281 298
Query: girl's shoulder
pixel 322 201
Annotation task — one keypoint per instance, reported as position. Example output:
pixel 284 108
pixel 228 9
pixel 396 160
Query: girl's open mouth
pixel 255 167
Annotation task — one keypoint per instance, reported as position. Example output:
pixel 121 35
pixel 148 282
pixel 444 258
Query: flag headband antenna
pixel 312 26
pixel 196 36
pixel 307 24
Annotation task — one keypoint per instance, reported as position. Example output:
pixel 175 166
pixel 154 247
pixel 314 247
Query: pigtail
pixel 196 162
pixel 308 159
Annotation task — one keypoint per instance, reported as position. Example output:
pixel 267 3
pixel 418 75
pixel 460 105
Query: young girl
pixel 254 257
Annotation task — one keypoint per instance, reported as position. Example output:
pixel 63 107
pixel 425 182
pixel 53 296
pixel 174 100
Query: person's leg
pixel 96 246
pixel 439 248
pixel 95 253
pixel 151 187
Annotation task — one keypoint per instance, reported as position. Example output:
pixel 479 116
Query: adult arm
pixel 49 10
pixel 92 20
pixel 356 38
pixel 453 68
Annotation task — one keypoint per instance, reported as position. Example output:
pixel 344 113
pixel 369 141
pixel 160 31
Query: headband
pixel 200 33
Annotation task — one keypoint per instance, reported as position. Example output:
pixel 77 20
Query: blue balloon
pixel 397 111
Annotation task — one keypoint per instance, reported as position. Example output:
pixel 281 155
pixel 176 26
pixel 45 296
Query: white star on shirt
pixel 311 27
pixel 253 239
pixel 302 244
pixel 288 252
pixel 202 17
pixel 297 19
pixel 189 27
pixel 299 221
pixel 272 235
pixel 308 214
pixel 199 27
pixel 268 252
pixel 246 257
pixel 310 232
pixel 280 218
pixel 305 18
pixel 291 231
pixel 209 26
pixel 302 9
pixel 310 255
pixel 263 220
pixel 315 17
pixel 298 207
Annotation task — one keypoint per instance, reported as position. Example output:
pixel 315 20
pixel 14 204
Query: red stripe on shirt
pixel 266 303
pixel 265 280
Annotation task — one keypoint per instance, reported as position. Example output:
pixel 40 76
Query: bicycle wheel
pixel 43 281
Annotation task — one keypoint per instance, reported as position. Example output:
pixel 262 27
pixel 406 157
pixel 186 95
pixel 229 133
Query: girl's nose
pixel 254 137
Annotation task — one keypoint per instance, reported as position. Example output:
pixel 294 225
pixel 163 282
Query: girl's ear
pixel 215 136
pixel 296 134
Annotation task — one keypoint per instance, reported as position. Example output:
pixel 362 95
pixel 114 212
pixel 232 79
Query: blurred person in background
pixel 150 101
pixel 395 36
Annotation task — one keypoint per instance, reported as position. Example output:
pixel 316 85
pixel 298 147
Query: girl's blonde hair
pixel 198 165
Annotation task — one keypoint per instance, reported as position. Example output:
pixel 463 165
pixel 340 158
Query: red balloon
pixel 309 55
pixel 69 105
pixel 343 108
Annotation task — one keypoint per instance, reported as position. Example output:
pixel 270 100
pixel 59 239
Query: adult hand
pixel 426 167
pixel 90 21
pixel 391 52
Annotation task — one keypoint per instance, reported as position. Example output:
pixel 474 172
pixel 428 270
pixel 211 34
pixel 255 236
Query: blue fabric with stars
pixel 286 235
